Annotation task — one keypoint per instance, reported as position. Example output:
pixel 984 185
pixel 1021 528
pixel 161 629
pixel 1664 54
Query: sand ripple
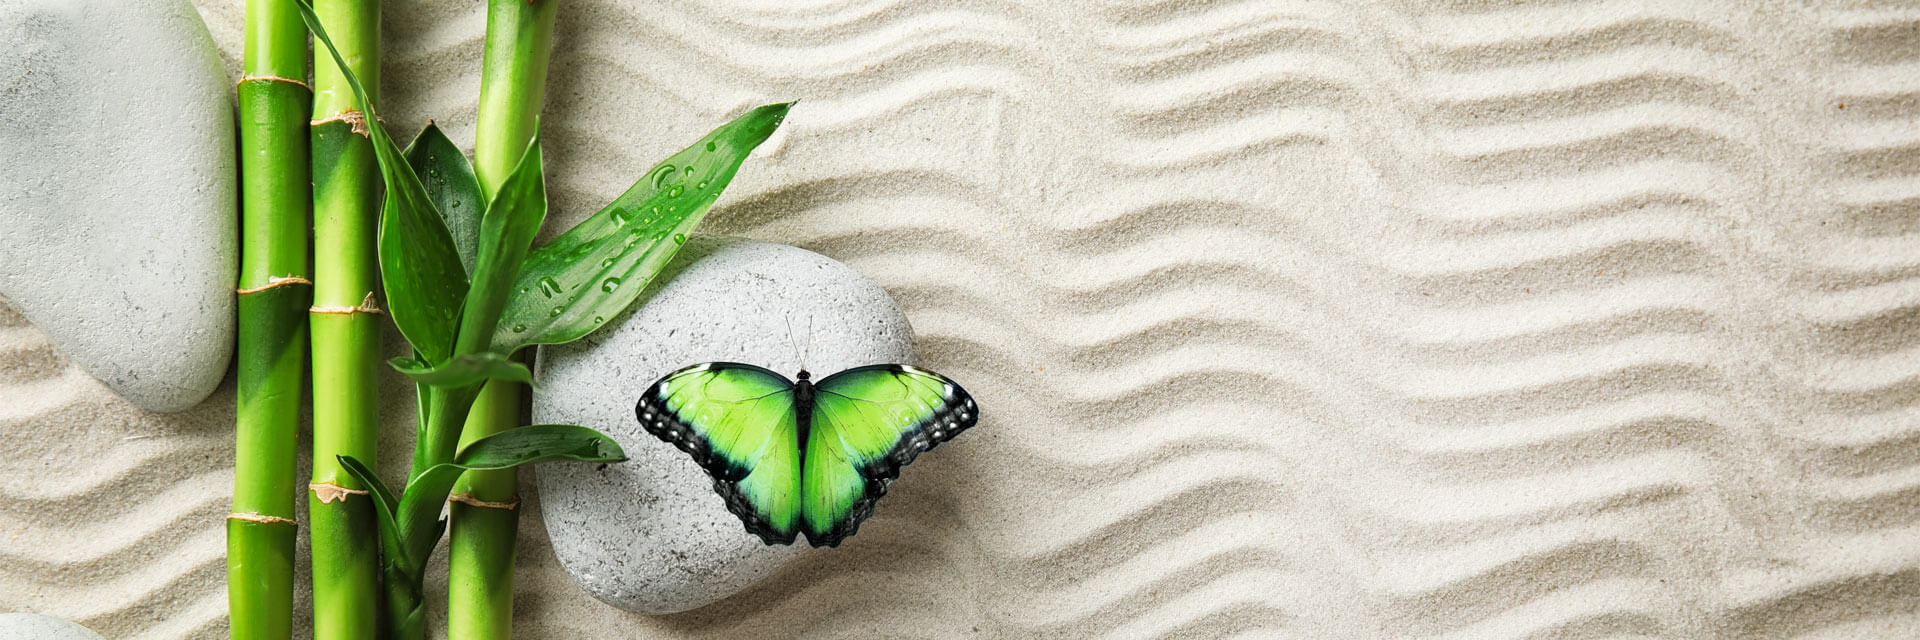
pixel 1482 320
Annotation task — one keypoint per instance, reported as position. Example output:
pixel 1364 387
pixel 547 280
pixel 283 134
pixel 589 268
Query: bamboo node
pixel 469 500
pixel 328 493
pixel 275 281
pixel 356 121
pixel 259 518
pixel 291 81
pixel 367 305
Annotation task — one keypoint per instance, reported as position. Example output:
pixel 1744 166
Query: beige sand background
pixel 1289 319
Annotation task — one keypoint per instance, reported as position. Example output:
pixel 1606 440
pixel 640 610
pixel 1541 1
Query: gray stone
pixel 117 203
pixel 28 626
pixel 650 535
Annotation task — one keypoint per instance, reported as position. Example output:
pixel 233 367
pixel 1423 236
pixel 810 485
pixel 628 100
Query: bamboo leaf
pixel 385 506
pixel 591 273
pixel 507 231
pixel 539 443
pixel 382 496
pixel 419 509
pixel 463 370
pixel 451 186
pixel 424 279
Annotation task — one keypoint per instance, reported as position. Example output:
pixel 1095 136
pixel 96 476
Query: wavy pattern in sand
pixel 1290 319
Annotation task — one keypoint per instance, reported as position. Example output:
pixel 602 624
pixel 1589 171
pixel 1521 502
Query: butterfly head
pixel 803 375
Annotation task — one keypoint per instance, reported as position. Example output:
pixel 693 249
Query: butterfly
pixel 795 457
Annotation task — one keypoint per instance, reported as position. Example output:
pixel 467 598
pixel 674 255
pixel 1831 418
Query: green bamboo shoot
pixel 483 519
pixel 274 295
pixel 346 329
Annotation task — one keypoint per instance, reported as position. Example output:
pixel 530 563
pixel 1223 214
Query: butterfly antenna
pixel 808 353
pixel 794 343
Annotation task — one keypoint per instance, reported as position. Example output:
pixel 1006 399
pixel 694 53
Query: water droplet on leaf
pixel 679 238
pixel 661 175
pixel 674 191
pixel 555 313
pixel 519 328
pixel 549 287
pixel 710 146
pixel 610 285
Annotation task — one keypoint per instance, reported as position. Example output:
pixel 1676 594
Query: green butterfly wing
pixel 865 424
pixel 738 421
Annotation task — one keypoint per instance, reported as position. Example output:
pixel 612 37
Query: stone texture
pixel 28 626
pixel 117 191
pixel 650 535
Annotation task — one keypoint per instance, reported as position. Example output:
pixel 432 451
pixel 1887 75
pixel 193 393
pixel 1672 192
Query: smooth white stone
pixel 28 626
pixel 649 534
pixel 117 203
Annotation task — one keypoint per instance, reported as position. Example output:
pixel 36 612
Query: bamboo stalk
pixel 483 519
pixel 513 85
pixel 274 294
pixel 346 328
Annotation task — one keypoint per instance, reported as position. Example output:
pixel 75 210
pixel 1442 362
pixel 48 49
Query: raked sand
pixel 1288 319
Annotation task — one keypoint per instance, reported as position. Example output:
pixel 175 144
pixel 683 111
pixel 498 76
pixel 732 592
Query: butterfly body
pixel 803 392
pixel 794 458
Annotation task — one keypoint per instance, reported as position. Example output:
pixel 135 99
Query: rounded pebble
pixel 649 534
pixel 29 626
pixel 117 191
